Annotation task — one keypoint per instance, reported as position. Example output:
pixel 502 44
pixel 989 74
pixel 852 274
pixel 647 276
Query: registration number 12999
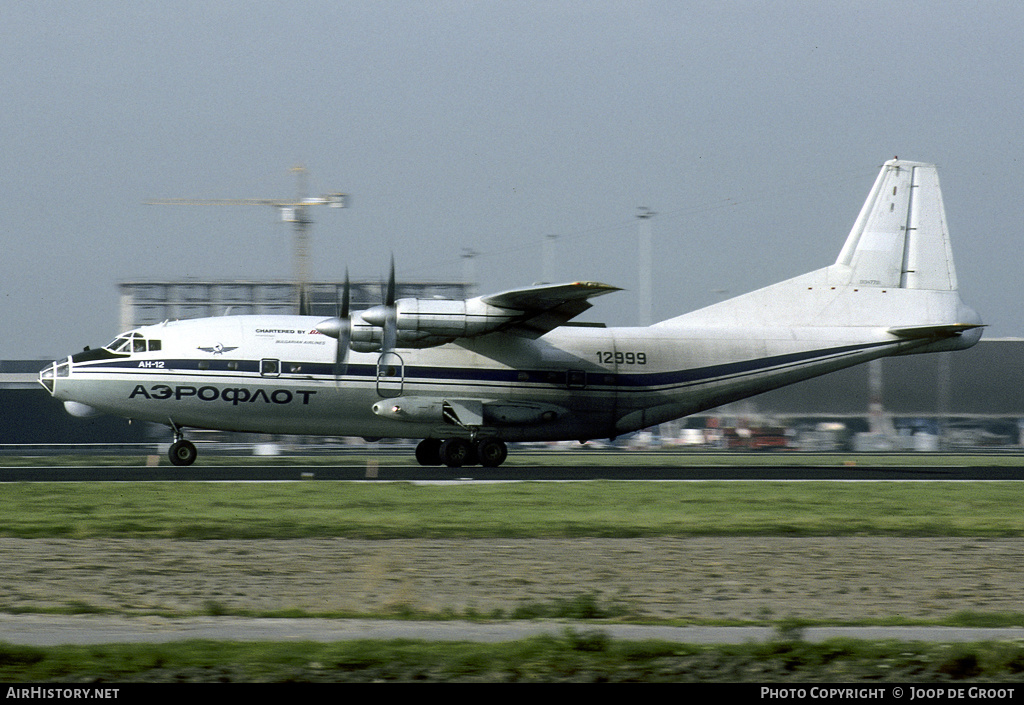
pixel 622 358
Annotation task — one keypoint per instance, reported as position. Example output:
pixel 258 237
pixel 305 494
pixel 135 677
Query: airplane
pixel 467 377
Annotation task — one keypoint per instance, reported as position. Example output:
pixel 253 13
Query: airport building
pixel 148 302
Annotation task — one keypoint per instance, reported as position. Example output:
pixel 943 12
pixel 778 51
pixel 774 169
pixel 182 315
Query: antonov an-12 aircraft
pixel 467 377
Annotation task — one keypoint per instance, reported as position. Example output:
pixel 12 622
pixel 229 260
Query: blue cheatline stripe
pixel 627 382
pixel 699 375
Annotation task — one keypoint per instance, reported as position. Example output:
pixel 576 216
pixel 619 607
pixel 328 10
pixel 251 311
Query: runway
pixel 510 473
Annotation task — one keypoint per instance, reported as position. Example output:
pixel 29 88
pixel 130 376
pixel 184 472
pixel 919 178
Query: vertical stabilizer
pixel 900 238
pixel 895 271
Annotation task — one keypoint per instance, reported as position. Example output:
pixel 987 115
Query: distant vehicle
pixel 758 438
pixel 469 376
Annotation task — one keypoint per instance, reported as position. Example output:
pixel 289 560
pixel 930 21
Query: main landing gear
pixel 456 452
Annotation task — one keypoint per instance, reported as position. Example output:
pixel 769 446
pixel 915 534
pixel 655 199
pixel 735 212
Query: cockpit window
pixel 132 342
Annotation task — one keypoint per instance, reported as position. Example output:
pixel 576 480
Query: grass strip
pixel 197 511
pixel 588 656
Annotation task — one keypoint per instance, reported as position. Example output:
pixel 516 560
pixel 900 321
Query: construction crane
pixel 292 211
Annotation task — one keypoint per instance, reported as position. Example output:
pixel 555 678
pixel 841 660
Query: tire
pixel 182 453
pixel 456 452
pixel 428 452
pixel 492 452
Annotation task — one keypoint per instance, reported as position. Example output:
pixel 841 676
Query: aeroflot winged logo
pixel 217 349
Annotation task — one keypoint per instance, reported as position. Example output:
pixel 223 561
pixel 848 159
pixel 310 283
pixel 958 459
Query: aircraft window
pixel 132 342
pixel 576 379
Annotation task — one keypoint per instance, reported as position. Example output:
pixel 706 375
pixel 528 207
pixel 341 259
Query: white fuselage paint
pixel 280 377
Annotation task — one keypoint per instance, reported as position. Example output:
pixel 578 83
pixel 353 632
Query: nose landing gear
pixel 182 451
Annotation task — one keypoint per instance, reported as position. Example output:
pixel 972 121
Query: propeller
pixel 340 328
pixel 385 316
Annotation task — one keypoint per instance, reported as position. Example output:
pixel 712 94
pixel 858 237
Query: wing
pixel 422 323
pixel 544 307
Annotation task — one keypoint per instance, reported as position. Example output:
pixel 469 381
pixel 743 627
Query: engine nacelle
pixel 367 338
pixel 427 320
pixel 467 412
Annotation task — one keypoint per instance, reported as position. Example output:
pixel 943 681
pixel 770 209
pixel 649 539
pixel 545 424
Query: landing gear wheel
pixel 456 452
pixel 428 452
pixel 491 452
pixel 182 453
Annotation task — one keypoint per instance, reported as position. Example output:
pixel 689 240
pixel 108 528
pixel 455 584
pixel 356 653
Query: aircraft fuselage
pixel 277 375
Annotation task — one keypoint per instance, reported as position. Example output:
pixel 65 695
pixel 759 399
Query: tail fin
pixel 900 238
pixel 895 272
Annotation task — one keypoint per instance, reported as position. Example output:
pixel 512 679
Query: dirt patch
pixel 763 579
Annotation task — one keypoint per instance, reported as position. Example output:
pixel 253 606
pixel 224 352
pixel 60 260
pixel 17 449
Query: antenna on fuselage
pixel 644 266
pixel 292 211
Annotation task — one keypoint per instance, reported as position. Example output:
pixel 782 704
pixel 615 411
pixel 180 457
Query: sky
pixel 753 130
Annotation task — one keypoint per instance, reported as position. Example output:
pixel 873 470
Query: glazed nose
pixel 49 375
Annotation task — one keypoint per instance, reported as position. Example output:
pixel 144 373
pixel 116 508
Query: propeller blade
pixel 345 330
pixel 340 328
pixel 389 299
pixel 389 338
pixel 385 315
pixel 345 299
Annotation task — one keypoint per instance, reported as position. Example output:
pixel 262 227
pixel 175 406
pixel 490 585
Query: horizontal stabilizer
pixel 942 331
